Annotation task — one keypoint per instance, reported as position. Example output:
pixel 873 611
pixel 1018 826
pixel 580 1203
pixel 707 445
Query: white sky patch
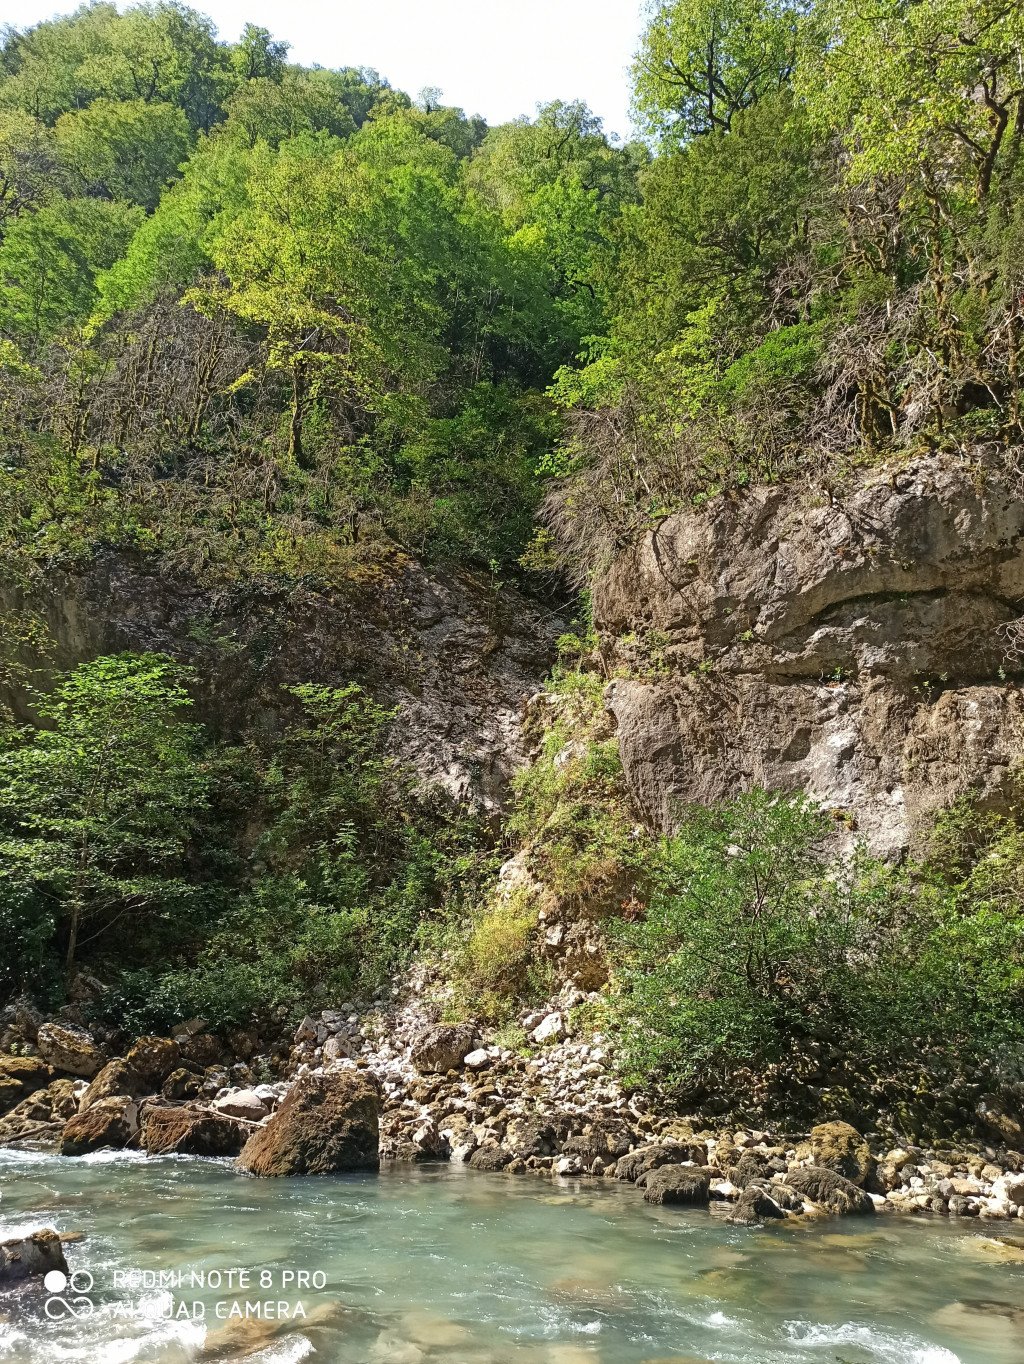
pixel 499 58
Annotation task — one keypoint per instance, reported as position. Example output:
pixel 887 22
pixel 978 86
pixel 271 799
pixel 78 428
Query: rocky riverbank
pixel 447 1092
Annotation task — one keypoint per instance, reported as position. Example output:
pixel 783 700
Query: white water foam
pixel 290 1352
pixel 888 1349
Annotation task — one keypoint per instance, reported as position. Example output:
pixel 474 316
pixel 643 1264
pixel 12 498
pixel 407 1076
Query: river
pixel 184 1259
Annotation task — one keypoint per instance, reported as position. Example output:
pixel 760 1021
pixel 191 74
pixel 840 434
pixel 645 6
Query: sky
pixel 499 58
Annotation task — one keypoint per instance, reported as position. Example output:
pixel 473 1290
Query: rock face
pixel 868 652
pixel 403 634
pixel 70 1050
pixel 31 1256
pixel 190 1131
pixel 328 1123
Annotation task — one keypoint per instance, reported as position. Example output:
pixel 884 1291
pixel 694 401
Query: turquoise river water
pixel 181 1259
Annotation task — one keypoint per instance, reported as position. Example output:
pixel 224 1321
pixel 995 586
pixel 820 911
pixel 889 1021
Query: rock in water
pixel 678 1184
pixel 28 1256
pixel 327 1123
pixel 442 1047
pixel 70 1050
pixel 111 1122
pixel 829 1190
pixel 190 1131
pixel 755 1205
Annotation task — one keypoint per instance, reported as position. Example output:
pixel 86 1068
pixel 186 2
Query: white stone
pixel 241 1103
pixel 552 1028
pixel 476 1059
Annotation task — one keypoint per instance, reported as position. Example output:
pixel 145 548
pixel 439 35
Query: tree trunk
pixel 69 958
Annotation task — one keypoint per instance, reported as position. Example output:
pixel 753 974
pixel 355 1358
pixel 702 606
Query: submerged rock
pixel 328 1123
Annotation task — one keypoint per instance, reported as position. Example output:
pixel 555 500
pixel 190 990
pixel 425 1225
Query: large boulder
pixel 491 1158
pixel 116 1077
pixel 182 1084
pixel 31 1256
pixel 21 1076
pixel 637 1163
pixel 829 1190
pixel 70 1050
pixel 327 1123
pixel 529 1136
pixel 190 1131
pixel 840 1147
pixel 442 1047
pixel 604 1141
pixel 153 1059
pixel 677 1184
pixel 111 1122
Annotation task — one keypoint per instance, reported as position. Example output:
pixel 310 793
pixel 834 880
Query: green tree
pixel 703 61
pixel 99 807
pixel 123 149
pixel 161 53
pixel 49 261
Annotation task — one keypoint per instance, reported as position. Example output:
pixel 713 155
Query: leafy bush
pixel 757 950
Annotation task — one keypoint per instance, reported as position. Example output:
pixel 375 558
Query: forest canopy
pixel 267 319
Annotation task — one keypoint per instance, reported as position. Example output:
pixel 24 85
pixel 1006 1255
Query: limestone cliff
pixel 863 650
pixel 454 657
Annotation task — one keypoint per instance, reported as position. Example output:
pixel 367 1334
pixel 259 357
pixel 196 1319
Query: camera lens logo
pixel 68 1295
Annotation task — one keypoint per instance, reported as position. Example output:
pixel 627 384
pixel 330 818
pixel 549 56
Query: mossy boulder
pixel 326 1124
pixel 678 1184
pixel 153 1059
pixel 116 1077
pixel 21 1076
pixel 840 1147
pixel 188 1130
pixel 829 1190
pixel 110 1123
